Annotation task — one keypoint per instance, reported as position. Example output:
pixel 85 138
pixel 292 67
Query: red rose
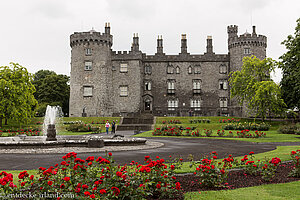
pixel 110 154
pixel 92 196
pixel 178 186
pixel 119 174
pixel 115 190
pixel 66 178
pixel 102 191
pixel 172 167
pixel 87 193
pixel 85 186
pixel 50 183
pixel 215 157
pixel 62 186
pixel 158 186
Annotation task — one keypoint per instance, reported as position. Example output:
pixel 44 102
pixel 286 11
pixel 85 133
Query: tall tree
pixel 290 65
pixel 16 91
pixel 52 89
pixel 254 87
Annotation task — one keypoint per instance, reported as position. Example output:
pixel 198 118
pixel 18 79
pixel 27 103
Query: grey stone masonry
pixel 109 83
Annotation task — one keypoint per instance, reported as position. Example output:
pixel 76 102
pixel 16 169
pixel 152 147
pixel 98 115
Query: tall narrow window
pixel 223 102
pixel 87 91
pixel 123 67
pixel 196 104
pixel 223 69
pixel 197 69
pixel 190 70
pixel 147 85
pixel 171 86
pixel 88 51
pixel 123 91
pixel 247 51
pixel 177 70
pixel 170 69
pixel 172 104
pixel 196 86
pixel 88 65
pixel 148 69
pixel 223 84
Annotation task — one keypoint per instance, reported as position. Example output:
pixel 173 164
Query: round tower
pixel 90 81
pixel 246 44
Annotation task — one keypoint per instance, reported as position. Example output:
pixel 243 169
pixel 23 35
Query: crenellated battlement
pixel 246 39
pixel 79 38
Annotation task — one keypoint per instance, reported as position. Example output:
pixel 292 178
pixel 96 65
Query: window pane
pixel 88 65
pixel 123 67
pixel 123 91
pixel 87 91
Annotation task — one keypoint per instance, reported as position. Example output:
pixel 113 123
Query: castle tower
pixel 244 45
pixel 239 47
pixel 90 83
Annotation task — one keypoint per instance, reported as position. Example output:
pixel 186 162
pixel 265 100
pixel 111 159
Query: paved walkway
pixel 175 147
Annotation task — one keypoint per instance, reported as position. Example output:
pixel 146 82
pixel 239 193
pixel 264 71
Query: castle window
pixel 223 84
pixel 223 69
pixel 147 85
pixel 177 70
pixel 88 65
pixel 190 69
pixel 197 69
pixel 123 91
pixel 148 69
pixel 88 51
pixel 223 103
pixel 171 86
pixel 123 67
pixel 172 104
pixel 170 69
pixel 196 86
pixel 87 91
pixel 247 51
pixel 196 104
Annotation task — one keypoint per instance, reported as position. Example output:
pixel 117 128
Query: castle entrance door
pixel 147 100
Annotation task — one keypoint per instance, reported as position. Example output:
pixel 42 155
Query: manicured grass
pixel 264 192
pixel 282 152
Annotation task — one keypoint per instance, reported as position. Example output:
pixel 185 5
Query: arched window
pixel 177 70
pixel 170 69
pixel 190 69
pixel 148 69
pixel 147 85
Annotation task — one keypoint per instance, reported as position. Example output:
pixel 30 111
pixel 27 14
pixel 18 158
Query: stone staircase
pixel 137 121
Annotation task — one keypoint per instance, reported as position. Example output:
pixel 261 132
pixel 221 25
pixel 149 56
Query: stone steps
pixel 137 121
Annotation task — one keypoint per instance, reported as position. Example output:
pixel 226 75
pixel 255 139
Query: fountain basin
pixel 83 141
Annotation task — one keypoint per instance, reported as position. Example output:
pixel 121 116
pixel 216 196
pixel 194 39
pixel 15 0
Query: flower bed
pixel 178 131
pixel 99 178
pixel 232 120
pixel 175 121
pixel 247 125
pixel 28 132
pixel 195 121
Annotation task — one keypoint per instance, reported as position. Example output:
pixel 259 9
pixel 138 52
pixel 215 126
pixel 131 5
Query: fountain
pixel 49 140
pixel 52 114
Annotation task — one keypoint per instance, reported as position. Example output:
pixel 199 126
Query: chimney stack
pixel 107 28
pixel 209 47
pixel 160 45
pixel 135 44
pixel 183 44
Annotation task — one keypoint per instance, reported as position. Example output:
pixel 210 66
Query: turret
pixel 244 45
pixel 90 75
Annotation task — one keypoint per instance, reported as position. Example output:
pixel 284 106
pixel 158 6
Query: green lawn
pixel 282 191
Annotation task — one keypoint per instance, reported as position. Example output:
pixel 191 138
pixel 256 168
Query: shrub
pixel 296 161
pixel 247 125
pixel 207 132
pixel 81 128
pixel 98 178
pixel 289 129
pixel 168 131
pixel 221 133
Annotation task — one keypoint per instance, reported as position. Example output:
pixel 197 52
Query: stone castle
pixel 109 83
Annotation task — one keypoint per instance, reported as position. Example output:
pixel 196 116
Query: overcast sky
pixel 35 33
